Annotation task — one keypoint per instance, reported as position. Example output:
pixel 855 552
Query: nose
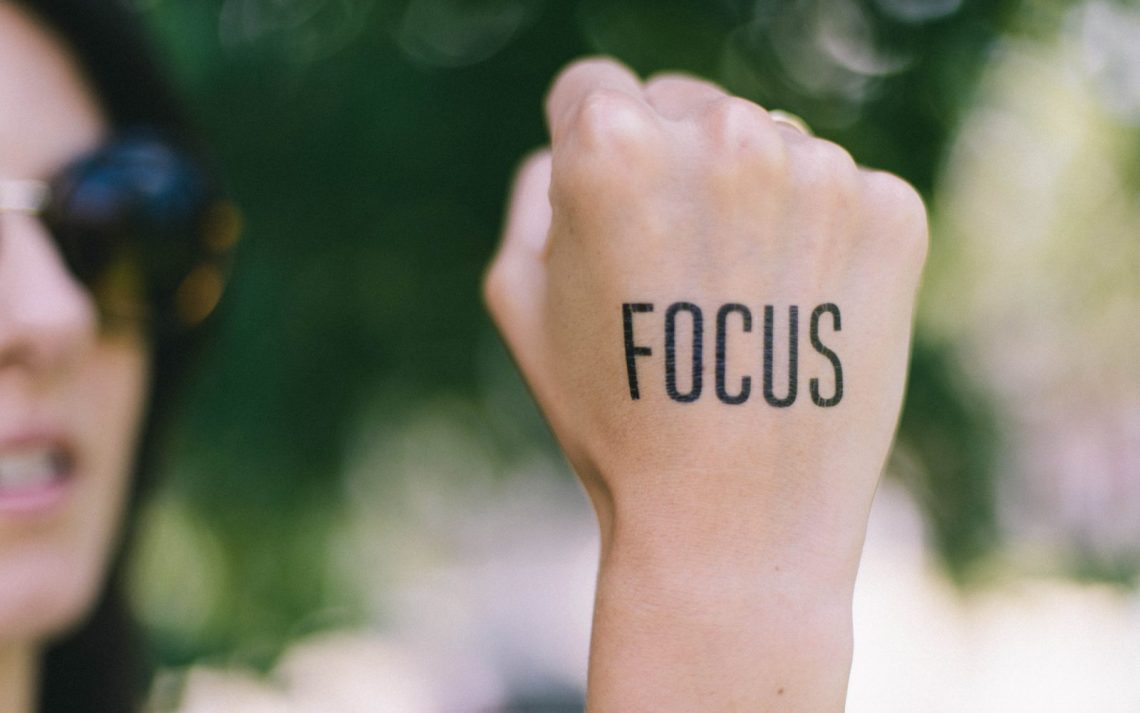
pixel 47 319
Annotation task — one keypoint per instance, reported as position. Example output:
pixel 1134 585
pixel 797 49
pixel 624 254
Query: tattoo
pixel 671 348
pixel 816 344
pixel 721 367
pixel 770 358
pixel 742 393
pixel 631 350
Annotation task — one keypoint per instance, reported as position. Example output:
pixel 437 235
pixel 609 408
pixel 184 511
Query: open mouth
pixel 32 476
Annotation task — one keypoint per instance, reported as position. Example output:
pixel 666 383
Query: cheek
pixel 109 400
pixel 109 407
pixel 52 572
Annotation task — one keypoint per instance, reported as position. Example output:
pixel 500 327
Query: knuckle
pixel 733 119
pixel 828 174
pixel 588 66
pixel 898 206
pixel 740 127
pixel 607 118
pixel 614 150
pixel 661 79
pixel 678 82
pixel 827 164
pixel 581 71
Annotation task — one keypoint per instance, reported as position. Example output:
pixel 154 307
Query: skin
pixel 731 534
pixel 59 372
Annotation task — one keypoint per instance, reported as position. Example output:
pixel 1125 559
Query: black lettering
pixel 670 351
pixel 831 356
pixel 631 350
pixel 769 356
pixel 721 367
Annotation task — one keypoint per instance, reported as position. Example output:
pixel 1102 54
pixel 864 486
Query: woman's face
pixel 70 394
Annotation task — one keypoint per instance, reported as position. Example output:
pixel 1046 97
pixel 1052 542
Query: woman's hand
pixel 713 310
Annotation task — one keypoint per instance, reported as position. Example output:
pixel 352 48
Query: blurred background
pixel 362 504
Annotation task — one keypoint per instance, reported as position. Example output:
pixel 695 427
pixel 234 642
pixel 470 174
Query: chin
pixel 45 591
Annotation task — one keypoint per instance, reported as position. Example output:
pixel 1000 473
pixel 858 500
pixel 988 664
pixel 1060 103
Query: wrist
pixel 700 638
pixel 734 531
pixel 685 573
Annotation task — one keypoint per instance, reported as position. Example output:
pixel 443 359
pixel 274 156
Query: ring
pixel 790 119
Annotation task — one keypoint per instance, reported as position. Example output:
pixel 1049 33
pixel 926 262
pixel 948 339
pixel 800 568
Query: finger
pixel 676 95
pixel 528 212
pixel 515 281
pixel 578 81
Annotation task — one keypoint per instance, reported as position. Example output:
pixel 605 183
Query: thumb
pixel 515 283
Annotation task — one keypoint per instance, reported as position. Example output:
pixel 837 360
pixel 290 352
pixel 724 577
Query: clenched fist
pixel 713 309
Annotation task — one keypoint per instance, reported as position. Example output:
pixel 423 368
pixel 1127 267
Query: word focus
pixel 734 319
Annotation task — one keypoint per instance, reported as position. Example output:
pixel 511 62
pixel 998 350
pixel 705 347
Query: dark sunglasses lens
pixel 128 219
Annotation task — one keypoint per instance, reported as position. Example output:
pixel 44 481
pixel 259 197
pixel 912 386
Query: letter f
pixel 632 350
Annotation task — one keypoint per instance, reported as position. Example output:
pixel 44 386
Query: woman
pixel 732 514
pixel 91 341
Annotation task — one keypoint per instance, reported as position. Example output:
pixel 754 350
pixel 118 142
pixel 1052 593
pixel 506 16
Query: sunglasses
pixel 142 226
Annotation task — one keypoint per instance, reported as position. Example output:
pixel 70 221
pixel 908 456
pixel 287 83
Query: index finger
pixel 579 80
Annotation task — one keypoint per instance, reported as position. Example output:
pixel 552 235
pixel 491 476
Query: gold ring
pixel 790 119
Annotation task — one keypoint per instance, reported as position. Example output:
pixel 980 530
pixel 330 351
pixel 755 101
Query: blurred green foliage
pixel 370 144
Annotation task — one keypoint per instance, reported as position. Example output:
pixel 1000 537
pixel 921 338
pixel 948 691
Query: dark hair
pixel 100 666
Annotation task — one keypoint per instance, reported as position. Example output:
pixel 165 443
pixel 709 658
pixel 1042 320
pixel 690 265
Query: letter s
pixel 831 356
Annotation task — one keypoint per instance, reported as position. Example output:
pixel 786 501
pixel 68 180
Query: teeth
pixel 28 469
